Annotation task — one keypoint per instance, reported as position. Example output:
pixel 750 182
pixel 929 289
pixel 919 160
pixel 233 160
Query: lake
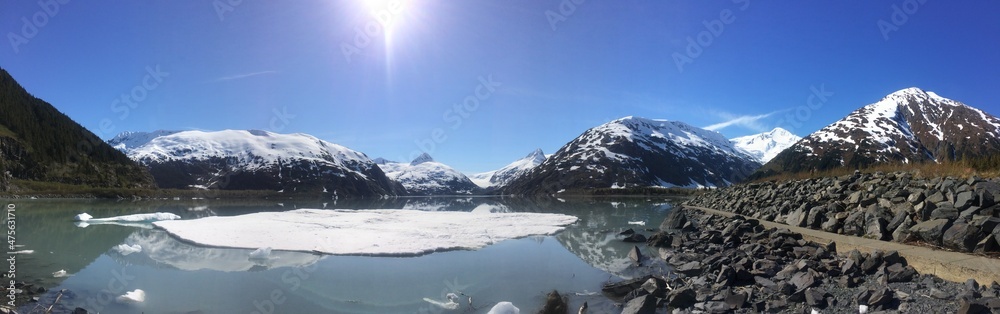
pixel 179 277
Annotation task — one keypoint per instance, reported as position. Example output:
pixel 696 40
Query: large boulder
pixel 961 236
pixel 675 220
pixel 642 305
pixel 931 230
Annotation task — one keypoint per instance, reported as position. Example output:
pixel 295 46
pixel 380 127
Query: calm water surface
pixel 178 277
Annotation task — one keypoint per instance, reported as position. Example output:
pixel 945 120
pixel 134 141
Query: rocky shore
pixel 958 214
pixel 724 265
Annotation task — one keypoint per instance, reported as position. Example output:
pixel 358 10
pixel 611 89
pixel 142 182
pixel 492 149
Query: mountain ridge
pixel 255 160
pixel 907 126
pixel 638 152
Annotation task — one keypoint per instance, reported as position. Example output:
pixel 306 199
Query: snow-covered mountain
pixel 765 146
pixel 500 177
pixel 909 126
pixel 424 176
pixel 254 160
pixel 638 152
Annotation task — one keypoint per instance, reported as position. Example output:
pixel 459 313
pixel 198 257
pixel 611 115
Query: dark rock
pixel 713 307
pixel 736 300
pixel 902 233
pixel 876 229
pixel 989 193
pixel 682 298
pixel 79 310
pixel 899 273
pixel 964 200
pixel 635 256
pixel 968 307
pixel 554 304
pixel 627 232
pixel 961 236
pixel 944 212
pixel 881 297
pixel 622 288
pixel 797 218
pixel 815 217
pixel 938 294
pixel 892 257
pixel 675 220
pixel 935 198
pixel 987 244
pixel 692 268
pixel 635 238
pixel 660 239
pixel 897 221
pixel 656 287
pixel 931 230
pixel 871 263
pixel 642 305
pixel 803 280
pixel 816 297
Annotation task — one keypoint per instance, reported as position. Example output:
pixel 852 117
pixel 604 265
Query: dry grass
pixel 956 169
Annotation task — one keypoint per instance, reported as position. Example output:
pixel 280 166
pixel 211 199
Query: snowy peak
pixel 421 159
pixel 126 141
pixel 909 126
pixel 764 146
pixel 639 152
pixel 500 177
pixel 536 155
pixel 424 176
pixel 253 159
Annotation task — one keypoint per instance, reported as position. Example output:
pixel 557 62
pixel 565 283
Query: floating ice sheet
pixel 362 232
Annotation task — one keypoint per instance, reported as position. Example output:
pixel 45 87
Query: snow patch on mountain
pixel 424 176
pixel 764 146
pixel 509 172
pixel 252 148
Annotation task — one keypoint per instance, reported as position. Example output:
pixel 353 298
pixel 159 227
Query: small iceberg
pixel 261 254
pixel 126 249
pixel 637 223
pixel 504 308
pixel 84 217
pixel 60 274
pixel 24 252
pixel 132 297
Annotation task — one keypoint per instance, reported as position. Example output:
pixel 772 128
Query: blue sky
pixel 524 74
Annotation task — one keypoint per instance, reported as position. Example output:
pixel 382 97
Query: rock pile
pixel 735 264
pixel 958 214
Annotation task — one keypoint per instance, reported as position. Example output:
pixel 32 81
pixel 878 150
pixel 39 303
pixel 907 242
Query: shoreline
pixel 731 263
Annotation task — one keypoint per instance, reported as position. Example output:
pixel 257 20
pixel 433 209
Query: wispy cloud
pixel 746 121
pixel 242 76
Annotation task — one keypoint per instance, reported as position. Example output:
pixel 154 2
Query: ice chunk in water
pixel 504 308
pixel 132 297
